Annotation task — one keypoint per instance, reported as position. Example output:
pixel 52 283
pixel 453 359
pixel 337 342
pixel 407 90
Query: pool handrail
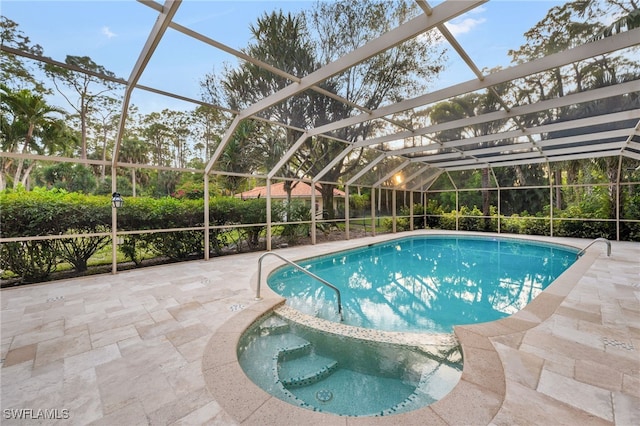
pixel 301 269
pixel 581 252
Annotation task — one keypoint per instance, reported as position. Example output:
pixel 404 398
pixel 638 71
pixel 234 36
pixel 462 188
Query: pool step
pixel 294 352
pixel 274 325
pixel 305 370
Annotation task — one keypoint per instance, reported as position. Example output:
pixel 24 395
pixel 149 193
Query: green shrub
pixel 296 211
pixel 32 260
pixel 448 220
pixel 471 220
pixel 55 212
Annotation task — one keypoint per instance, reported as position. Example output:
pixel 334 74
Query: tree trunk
pixel 83 130
pixel 103 168
pixel 133 181
pixel 27 139
pixel 486 199
pixel 327 199
pixel 288 188
pixel 27 173
pixel 558 183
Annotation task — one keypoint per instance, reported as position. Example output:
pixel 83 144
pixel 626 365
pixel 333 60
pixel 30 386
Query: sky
pixel 112 33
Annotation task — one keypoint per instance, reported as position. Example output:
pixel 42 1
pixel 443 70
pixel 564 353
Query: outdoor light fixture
pixel 116 200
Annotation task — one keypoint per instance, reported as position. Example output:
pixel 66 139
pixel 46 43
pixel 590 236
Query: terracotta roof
pixel 300 190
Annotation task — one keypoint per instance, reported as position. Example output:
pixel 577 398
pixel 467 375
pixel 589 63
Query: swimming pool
pixel 415 286
pixel 426 283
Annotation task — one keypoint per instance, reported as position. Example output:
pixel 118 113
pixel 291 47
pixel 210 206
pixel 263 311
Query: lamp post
pixel 116 203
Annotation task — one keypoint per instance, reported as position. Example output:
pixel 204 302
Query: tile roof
pixel 300 190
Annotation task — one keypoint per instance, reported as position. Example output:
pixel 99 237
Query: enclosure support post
pixel 206 217
pixel 373 212
pixel 114 225
pixel 423 200
pixel 499 204
pixel 411 210
pixel 313 213
pixel 457 211
pixel 551 188
pixel 393 208
pixel 268 214
pixel 346 211
pixel 618 188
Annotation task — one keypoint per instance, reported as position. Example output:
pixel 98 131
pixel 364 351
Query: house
pixel 300 191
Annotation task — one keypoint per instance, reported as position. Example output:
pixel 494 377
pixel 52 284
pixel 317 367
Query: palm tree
pixel 32 115
pixel 133 151
pixel 467 106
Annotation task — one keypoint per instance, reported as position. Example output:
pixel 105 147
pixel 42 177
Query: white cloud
pixel 107 32
pixel 463 26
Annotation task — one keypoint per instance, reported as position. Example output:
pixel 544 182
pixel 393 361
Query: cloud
pixel 107 32
pixel 463 26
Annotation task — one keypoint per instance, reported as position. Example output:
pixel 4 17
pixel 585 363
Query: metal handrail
pixel 581 252
pixel 301 269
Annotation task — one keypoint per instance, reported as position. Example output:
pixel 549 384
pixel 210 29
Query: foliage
pixel 122 183
pixel 32 260
pixel 359 202
pixel 297 44
pixel 13 69
pixel 56 212
pixel 67 176
pixel 252 212
pixel 297 211
pixel 402 224
pixel 29 125
pixel 89 87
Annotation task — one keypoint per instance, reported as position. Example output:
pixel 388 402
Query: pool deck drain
pixel 157 346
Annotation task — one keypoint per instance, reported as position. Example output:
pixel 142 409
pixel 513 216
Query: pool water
pixel 426 283
pixel 343 375
pixel 423 285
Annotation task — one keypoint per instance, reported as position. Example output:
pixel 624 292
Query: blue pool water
pixel 426 283
pixel 343 375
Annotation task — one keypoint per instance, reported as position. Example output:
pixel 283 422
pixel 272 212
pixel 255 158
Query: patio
pixel 155 346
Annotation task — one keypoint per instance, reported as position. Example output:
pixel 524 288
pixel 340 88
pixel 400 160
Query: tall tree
pixel 282 41
pixel 134 151
pixel 568 25
pixel 15 71
pixel 467 106
pixel 158 135
pixel 207 130
pixel 179 124
pixel 400 72
pixel 104 127
pixel 88 88
pixel 300 44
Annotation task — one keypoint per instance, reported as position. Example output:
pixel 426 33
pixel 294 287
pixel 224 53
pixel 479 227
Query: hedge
pixel 44 212
pixel 56 212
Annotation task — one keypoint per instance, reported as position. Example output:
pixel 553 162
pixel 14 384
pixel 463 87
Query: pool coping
pixel 483 379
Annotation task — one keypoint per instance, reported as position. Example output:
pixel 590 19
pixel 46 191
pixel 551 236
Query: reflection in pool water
pixel 425 284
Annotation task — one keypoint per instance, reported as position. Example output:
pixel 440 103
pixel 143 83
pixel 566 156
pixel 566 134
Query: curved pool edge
pixel 478 395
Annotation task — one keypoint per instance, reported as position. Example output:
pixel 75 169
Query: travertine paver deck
pixel 141 347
